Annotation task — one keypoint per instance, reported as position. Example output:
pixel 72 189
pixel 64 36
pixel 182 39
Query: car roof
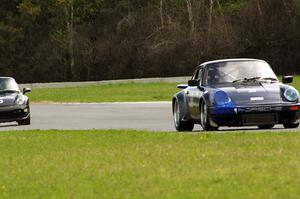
pixel 229 60
pixel 7 78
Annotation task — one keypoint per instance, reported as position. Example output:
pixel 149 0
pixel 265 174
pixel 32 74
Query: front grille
pixel 260 109
pixel 258 119
pixel 12 114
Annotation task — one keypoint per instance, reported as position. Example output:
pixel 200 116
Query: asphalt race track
pixel 148 116
pixel 139 116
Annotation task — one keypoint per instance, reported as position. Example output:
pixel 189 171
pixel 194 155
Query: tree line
pixel 79 40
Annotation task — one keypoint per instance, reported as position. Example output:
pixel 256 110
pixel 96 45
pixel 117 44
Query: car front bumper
pixel 14 113
pixel 255 115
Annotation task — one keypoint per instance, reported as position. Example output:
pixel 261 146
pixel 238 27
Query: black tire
pixel 181 125
pixel 291 125
pixel 25 121
pixel 205 118
pixel 266 126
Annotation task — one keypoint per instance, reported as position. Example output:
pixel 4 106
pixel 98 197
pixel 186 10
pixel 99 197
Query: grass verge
pixel 125 92
pixel 296 82
pixel 135 164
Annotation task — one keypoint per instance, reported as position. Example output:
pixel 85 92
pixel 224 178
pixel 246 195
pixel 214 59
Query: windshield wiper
pixel 270 78
pixel 238 80
pixel 7 91
pixel 246 79
pixel 256 79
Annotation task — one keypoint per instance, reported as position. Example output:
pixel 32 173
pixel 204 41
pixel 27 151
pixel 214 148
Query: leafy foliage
pixel 113 39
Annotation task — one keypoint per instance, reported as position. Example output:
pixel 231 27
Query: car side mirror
pixel 182 86
pixel 287 79
pixel 26 90
pixel 193 83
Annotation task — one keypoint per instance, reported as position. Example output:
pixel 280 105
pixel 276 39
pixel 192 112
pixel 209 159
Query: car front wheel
pixel 269 126
pixel 181 125
pixel 25 121
pixel 205 118
pixel 291 125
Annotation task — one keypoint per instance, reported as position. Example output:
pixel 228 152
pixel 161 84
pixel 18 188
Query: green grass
pixel 127 92
pixel 134 164
pixel 296 82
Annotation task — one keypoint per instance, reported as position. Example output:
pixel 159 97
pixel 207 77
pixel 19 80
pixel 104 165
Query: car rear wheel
pixel 181 125
pixel 291 125
pixel 25 121
pixel 205 118
pixel 267 126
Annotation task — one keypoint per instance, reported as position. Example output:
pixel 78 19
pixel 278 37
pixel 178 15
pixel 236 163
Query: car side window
pixel 204 78
pixel 200 74
pixel 196 74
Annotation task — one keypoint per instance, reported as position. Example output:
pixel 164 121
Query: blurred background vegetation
pixel 79 40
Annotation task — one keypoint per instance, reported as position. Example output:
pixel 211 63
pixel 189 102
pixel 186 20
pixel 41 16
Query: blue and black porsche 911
pixel 236 92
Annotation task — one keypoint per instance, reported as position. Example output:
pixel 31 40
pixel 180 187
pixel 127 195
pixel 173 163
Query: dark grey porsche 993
pixel 14 105
pixel 236 92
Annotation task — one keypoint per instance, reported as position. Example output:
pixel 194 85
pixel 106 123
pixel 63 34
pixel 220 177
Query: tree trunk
pixel 224 20
pixel 210 22
pixel 161 11
pixel 71 36
pixel 191 18
pixel 259 9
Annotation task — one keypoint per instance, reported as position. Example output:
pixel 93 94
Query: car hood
pixel 8 99
pixel 263 93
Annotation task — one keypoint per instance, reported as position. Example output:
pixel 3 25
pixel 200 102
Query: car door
pixel 193 96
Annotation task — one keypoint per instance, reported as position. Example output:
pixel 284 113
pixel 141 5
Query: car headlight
pixel 221 98
pixel 20 101
pixel 291 94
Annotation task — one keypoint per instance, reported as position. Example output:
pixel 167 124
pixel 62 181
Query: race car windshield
pixel 235 71
pixel 8 84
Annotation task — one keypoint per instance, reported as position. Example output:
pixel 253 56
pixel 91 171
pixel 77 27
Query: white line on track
pixel 99 103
